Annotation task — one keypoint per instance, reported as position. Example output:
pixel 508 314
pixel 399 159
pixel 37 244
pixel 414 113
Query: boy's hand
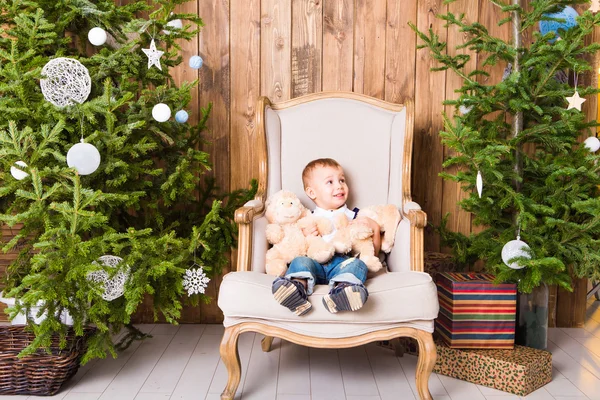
pixel 373 226
pixel 310 230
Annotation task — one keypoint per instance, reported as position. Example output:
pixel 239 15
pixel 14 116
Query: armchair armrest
pixel 417 219
pixel 244 216
pixel 246 213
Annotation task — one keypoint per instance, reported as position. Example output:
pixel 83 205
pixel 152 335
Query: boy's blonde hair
pixel 319 162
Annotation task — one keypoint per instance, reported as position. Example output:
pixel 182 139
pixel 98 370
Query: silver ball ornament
pixel 67 81
pixel 592 144
pixel 97 36
pixel 161 112
pixel 17 173
pixel 84 157
pixel 512 249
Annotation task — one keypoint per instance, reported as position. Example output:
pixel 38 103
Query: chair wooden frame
pixel 244 216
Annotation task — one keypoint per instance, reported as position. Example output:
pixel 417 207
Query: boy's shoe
pixel 346 297
pixel 292 295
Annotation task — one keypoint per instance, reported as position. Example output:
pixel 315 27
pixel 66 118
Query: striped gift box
pixel 475 313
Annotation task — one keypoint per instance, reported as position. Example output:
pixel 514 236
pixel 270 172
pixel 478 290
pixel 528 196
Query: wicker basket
pixel 43 373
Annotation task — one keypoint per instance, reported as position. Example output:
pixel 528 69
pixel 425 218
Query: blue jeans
pixel 341 268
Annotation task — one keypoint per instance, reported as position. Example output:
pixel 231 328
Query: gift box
pixel 475 313
pixel 520 370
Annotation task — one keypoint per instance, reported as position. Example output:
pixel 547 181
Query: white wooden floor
pixel 182 362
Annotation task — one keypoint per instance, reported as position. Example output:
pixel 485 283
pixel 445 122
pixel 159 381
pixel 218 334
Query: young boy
pixel 325 184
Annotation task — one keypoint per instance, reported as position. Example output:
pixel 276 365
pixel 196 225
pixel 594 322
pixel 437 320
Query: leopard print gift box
pixel 520 370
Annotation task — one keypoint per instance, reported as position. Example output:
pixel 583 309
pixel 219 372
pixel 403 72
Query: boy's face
pixel 327 187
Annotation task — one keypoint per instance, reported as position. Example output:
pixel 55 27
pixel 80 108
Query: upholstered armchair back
pixel 371 141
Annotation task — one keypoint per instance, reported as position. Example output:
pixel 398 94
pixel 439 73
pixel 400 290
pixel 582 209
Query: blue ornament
pixel 568 14
pixel 196 62
pixel 181 116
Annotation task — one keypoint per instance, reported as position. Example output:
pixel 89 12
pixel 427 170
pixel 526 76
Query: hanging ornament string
pixel 575 101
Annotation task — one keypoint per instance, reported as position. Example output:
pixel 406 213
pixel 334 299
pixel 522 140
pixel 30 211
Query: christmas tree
pixel 516 140
pixel 104 223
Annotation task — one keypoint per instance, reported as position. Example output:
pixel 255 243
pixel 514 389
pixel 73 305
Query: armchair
pixel 372 140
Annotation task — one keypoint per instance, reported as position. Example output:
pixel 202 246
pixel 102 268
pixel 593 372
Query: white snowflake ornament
pixel 195 281
pixel 153 55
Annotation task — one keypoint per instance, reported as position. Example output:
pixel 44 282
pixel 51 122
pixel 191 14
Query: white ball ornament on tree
pixel 513 249
pixel 113 287
pixel 592 144
pixel 196 62
pixel 161 112
pixel 97 36
pixel 176 23
pixel 66 82
pixel 84 157
pixel 18 173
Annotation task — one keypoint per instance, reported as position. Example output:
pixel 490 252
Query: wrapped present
pixel 475 313
pixel 520 370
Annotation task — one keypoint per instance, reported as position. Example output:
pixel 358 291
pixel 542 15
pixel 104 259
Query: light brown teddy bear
pixel 287 216
pixel 357 238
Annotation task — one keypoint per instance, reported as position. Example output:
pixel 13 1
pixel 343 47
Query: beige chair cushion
pixel 392 300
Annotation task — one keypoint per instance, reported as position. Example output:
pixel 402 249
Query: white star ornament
pixel 575 101
pixel 153 55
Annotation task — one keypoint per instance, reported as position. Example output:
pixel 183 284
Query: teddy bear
pixel 287 217
pixel 357 238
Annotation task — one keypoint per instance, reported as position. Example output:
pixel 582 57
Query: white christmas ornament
pixel 479 183
pixel 17 173
pixel 153 55
pixel 97 36
pixel 464 109
pixel 67 81
pixel 595 7
pixel 513 249
pixel 575 101
pixel 592 143
pixel 84 157
pixel 113 287
pixel 161 112
pixel 176 23
pixel 195 281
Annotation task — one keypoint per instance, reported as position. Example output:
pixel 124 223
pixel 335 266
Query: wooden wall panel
pixel 338 35
pixel 369 47
pixel 430 91
pixel 459 220
pixel 400 51
pixel 275 60
pixel 245 88
pixel 307 46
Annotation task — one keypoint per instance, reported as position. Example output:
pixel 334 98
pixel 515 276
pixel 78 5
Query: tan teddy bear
pixel 357 238
pixel 287 216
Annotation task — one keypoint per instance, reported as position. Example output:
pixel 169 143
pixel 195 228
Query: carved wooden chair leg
pixel 231 359
pixel 266 343
pixel 427 357
pixel 398 347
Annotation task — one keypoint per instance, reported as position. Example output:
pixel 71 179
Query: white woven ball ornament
pixel 161 112
pixel 592 143
pixel 176 23
pixel 196 62
pixel 113 287
pixel 512 249
pixel 17 173
pixel 66 82
pixel 84 157
pixel 97 36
